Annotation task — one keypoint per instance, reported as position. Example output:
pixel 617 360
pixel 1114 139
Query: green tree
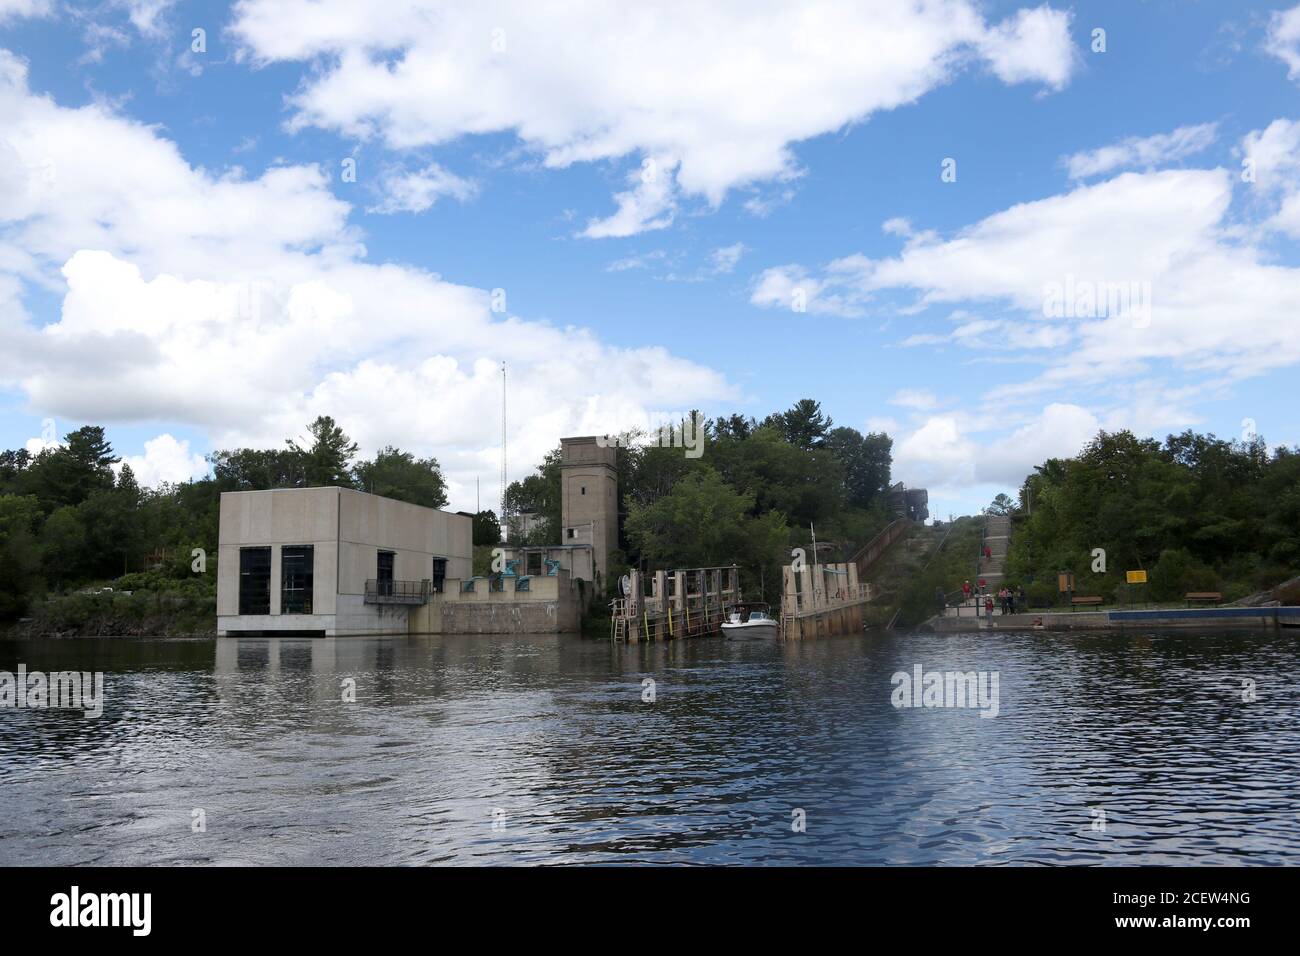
pixel 63 546
pixel 866 460
pixel 704 522
pixel 399 474
pixel 19 560
pixel 72 472
pixel 487 529
pixel 327 459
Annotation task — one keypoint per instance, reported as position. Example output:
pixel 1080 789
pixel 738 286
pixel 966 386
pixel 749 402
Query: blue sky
pixel 728 209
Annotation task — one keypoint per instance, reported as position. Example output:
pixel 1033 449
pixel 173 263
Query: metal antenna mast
pixel 503 442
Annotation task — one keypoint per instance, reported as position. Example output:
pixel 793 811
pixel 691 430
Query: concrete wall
pixel 347 530
pixel 551 604
pixel 276 518
pixel 589 497
pixel 369 524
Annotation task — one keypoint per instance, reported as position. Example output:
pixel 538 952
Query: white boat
pixel 750 622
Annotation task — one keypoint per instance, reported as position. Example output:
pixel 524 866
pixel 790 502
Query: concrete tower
pixel 589 500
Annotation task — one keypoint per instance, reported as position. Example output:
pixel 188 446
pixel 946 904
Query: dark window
pixel 254 580
pixel 439 574
pixel 385 572
pixel 534 563
pixel 570 532
pixel 297 563
pixel 584 489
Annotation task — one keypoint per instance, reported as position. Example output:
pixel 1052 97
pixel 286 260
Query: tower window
pixel 584 489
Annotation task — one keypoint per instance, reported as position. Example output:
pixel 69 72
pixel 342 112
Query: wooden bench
pixel 1076 601
pixel 1203 597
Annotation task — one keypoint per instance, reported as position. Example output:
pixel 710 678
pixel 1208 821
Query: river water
pixel 1111 749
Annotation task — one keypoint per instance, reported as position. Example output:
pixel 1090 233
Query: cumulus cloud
pixel 1215 304
pixel 714 93
pixel 1283 40
pixel 1218 308
pixel 951 452
pixel 245 306
pixel 165 460
pixel 1144 152
pixel 1272 156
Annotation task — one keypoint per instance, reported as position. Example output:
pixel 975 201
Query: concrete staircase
pixel 997 536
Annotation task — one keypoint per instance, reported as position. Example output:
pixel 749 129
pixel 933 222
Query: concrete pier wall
pixel 1170 618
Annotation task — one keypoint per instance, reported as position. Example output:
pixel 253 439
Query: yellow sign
pixel 1065 581
pixel 1137 577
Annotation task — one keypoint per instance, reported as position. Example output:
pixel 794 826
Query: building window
pixel 297 567
pixel 439 574
pixel 569 532
pixel 584 489
pixel 534 563
pixel 254 580
pixel 384 573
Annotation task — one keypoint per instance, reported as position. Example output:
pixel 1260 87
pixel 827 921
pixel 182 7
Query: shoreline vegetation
pixel 85 551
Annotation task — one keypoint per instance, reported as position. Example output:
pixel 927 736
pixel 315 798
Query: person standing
pixel 988 606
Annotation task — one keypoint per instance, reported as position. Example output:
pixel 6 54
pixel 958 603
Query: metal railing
pixel 820 599
pixel 397 592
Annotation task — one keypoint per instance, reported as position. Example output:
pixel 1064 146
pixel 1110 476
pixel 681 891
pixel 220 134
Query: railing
pixel 823 600
pixel 397 592
pixel 878 545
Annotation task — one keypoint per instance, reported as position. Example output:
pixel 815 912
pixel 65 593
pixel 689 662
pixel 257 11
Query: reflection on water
pixel 548 737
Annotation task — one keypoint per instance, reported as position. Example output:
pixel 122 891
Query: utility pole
pixel 502 515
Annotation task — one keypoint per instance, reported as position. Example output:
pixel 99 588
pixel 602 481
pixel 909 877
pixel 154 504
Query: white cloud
pixel 1032 46
pixel 417 191
pixel 1273 154
pixel 1284 39
pixel 164 460
pixel 917 398
pixel 650 204
pixel 16 9
pixel 716 93
pixel 725 259
pixel 1216 304
pixel 244 306
pixel 1143 152
pixel 1221 309
pixel 950 452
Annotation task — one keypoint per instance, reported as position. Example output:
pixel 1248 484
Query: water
pixel 547 739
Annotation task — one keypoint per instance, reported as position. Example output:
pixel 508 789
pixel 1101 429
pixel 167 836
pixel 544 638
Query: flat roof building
pixel 332 561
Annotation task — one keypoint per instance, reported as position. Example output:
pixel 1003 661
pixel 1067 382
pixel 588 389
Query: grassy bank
pixel 146 604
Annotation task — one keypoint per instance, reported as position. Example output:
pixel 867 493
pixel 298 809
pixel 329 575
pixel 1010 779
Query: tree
pixel 1001 505
pixel 19 560
pixel 803 424
pixel 63 546
pixel 704 522
pixel 399 474
pixel 866 460
pixel 327 460
pixel 257 469
pixel 487 529
pixel 72 472
pixel 540 494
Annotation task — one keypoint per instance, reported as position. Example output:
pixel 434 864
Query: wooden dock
pixel 819 600
pixel 664 605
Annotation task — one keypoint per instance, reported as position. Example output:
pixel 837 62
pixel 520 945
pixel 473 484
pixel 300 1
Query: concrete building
pixel 913 503
pixel 588 517
pixel 332 561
